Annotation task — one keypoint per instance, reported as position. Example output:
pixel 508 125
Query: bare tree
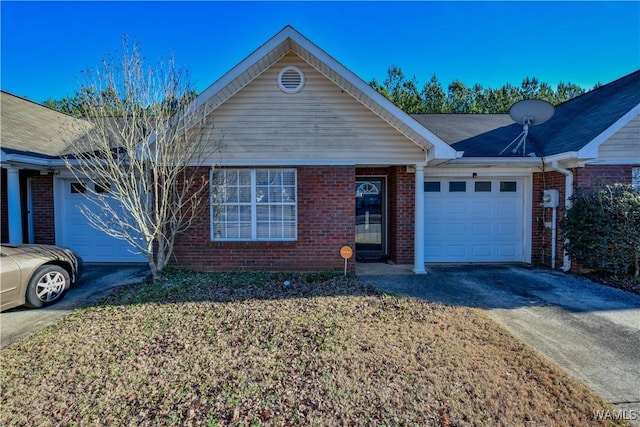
pixel 143 148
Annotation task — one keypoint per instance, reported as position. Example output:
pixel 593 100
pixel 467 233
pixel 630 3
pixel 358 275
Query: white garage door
pixel 91 244
pixel 478 220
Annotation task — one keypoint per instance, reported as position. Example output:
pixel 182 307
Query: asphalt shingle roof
pixel 28 127
pixel 574 124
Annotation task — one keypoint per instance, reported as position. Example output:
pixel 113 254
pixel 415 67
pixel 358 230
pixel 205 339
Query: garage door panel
pixel 507 250
pixel 456 208
pixel 456 229
pixel 481 251
pixel 509 230
pixel 481 229
pixel 475 226
pixel 91 244
pixel 482 208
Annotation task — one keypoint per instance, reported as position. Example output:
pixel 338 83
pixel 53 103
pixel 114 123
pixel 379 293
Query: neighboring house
pixel 39 196
pixel 308 158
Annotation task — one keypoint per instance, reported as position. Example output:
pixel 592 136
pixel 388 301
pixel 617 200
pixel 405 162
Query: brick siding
pixel 326 222
pixel 43 213
pixel 584 179
pixel 4 210
pixel 401 215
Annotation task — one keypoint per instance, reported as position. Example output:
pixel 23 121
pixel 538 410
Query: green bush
pixel 603 229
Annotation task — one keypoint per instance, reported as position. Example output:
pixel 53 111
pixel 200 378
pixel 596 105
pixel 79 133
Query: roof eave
pixel 496 161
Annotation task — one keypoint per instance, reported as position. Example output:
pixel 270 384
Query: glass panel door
pixel 369 217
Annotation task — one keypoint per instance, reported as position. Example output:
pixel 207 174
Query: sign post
pixel 346 252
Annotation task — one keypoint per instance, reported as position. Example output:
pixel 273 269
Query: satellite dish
pixel 529 112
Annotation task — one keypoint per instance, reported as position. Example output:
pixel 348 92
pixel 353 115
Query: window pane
pixel 219 231
pixel 432 187
pixel 262 177
pixel 263 213
pixel 275 204
pixel 275 177
pixel 483 186
pixel 245 230
pixel 289 194
pixel 275 194
pixel 457 186
pixel 262 194
pixel 103 188
pixel 289 230
pixel 244 177
pixel 289 178
pixel 263 230
pixel 289 213
pixel 508 186
pixel 78 187
pixel 245 214
pixel 276 213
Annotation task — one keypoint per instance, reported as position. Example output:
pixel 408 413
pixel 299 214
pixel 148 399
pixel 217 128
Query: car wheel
pixel 47 285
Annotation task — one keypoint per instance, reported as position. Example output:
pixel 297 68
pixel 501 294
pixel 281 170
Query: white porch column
pixel 418 238
pixel 13 205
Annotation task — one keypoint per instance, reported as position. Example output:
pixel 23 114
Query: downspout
pixel 568 193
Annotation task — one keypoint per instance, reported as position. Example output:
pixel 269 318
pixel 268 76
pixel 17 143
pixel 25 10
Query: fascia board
pixel 590 151
pixel 496 161
pixel 562 157
pixel 29 160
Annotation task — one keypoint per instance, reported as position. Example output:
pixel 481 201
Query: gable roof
pixel 290 40
pixel 28 128
pixel 577 128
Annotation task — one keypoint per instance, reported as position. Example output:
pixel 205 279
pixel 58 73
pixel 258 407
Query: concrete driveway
pixel 96 281
pixel 591 331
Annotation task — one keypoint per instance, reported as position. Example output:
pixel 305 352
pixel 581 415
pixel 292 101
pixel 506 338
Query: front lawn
pixel 243 349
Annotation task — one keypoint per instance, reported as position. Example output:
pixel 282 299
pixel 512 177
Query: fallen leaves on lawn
pixel 242 349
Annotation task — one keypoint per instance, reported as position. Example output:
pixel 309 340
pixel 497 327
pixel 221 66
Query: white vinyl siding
pixel 623 147
pixel 321 124
pixel 254 204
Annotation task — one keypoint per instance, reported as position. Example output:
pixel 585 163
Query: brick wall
pixel 541 236
pixel 589 177
pixel 584 179
pixel 401 215
pixel 43 212
pixel 4 212
pixel 326 218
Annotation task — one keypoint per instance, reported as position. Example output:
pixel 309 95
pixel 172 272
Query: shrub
pixel 603 229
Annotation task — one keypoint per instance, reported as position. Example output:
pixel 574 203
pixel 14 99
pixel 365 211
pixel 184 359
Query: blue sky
pixel 45 45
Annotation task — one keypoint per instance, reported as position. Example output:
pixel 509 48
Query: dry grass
pixel 242 349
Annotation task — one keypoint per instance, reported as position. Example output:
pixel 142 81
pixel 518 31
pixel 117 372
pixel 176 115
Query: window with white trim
pixel 254 204
pixel 635 178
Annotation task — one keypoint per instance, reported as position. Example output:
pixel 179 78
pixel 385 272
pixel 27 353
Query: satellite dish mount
pixel 529 112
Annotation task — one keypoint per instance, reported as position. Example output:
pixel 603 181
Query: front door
pixel 370 221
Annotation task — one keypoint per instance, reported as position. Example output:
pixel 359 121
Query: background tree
pixel 463 99
pixel 143 149
pixel 434 98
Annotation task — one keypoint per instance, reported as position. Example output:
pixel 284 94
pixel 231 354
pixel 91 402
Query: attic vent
pixel 290 79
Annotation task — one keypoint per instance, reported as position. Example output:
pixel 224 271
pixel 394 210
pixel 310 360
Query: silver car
pixel 36 275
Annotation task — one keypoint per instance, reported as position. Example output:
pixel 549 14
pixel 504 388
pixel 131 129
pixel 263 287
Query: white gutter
pixel 568 193
pixel 493 161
